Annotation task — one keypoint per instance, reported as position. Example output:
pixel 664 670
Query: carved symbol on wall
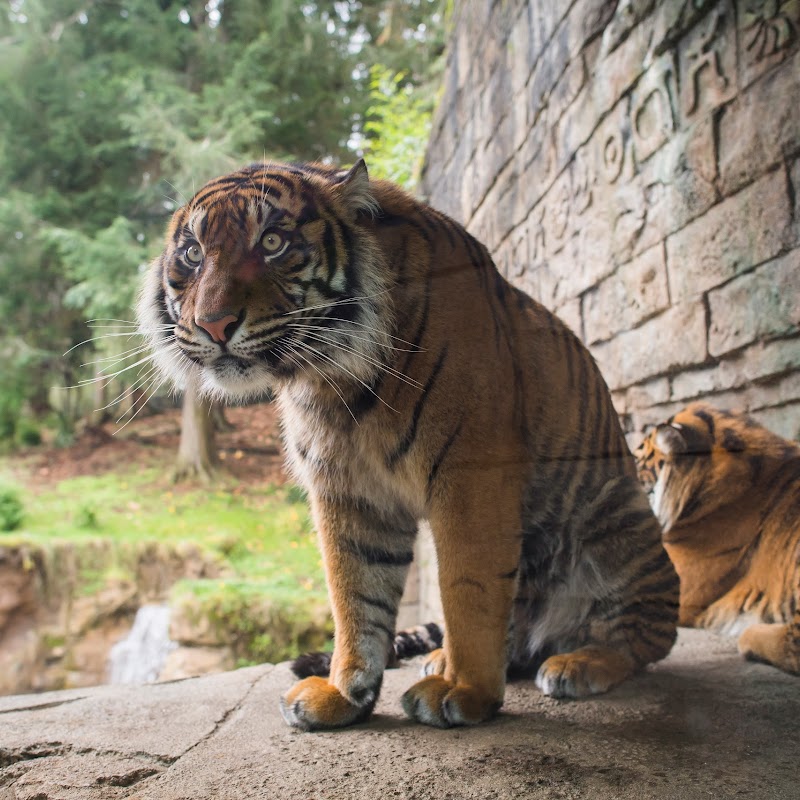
pixel 613 155
pixel 582 181
pixel 536 243
pixel 652 116
pixel 560 212
pixel 769 26
pixel 705 57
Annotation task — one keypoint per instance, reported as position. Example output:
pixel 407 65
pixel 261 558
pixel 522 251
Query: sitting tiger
pixel 413 382
pixel 727 492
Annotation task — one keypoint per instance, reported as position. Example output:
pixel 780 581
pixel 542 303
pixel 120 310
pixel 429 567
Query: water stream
pixel 140 656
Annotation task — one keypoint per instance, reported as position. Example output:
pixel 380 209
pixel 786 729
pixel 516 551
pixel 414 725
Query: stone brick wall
pixel 635 166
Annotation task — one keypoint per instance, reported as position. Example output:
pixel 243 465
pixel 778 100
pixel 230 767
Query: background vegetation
pixel 112 112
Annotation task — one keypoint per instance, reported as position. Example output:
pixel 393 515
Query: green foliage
pixel 27 432
pixel 100 266
pixel 11 508
pixel 111 114
pixel 260 623
pixel 86 517
pixel 397 128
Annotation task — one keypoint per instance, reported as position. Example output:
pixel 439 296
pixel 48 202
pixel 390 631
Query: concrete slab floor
pixel 701 724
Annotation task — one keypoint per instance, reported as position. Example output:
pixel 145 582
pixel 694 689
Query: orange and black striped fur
pixel 414 382
pixel 727 493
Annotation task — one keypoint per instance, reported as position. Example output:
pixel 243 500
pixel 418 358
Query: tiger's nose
pixel 221 327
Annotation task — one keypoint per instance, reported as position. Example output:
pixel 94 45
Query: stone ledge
pixel 222 737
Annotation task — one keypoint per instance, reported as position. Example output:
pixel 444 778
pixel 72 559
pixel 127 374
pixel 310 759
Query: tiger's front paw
pixel 314 704
pixel 443 704
pixel 584 672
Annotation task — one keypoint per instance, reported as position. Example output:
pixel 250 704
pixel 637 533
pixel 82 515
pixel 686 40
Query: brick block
pixel 794 178
pixel 707 63
pixel 783 420
pixel 636 291
pixel 648 394
pixel 761 126
pixel 671 341
pixel 678 183
pixel 760 304
pixel 759 362
pixel 617 70
pixel 742 231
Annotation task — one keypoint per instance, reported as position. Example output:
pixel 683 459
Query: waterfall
pixel 140 656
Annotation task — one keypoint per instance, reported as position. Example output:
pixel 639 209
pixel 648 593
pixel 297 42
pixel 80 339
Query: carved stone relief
pixel 707 62
pixel 767 31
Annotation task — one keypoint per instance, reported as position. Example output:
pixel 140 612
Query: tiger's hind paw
pixel 772 644
pixel 314 704
pixel 443 704
pixel 584 672
pixel 434 663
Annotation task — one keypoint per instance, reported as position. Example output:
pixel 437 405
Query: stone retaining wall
pixel 634 166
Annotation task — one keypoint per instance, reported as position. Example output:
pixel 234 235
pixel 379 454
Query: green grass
pixel 263 534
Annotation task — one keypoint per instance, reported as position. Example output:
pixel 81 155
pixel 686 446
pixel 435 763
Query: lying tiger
pixel 414 382
pixel 727 492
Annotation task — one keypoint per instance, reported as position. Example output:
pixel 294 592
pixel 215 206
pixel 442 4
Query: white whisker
pixel 330 382
pixel 342 302
pixel 369 359
pixel 311 349
pixel 301 326
pixel 362 325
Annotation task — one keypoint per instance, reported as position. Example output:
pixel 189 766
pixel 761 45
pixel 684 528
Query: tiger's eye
pixel 272 241
pixel 194 254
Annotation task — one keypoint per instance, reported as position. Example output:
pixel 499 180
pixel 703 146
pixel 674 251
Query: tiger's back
pixel 415 382
pixel 727 492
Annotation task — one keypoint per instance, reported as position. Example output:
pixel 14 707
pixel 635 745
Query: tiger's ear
pixel 352 187
pixel 669 440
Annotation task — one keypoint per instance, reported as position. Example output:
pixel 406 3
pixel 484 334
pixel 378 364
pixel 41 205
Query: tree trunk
pixel 221 423
pixel 197 455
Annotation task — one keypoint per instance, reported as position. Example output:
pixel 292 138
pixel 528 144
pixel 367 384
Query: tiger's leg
pixel 636 626
pixel 777 644
pixel 478 547
pixel 366 560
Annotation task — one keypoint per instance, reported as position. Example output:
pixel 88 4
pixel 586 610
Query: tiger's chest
pixel 348 461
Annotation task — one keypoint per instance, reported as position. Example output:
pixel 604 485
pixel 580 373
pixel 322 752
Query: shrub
pixel 11 509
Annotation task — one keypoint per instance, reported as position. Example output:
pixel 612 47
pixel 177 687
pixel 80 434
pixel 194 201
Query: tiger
pixel 413 382
pixel 727 493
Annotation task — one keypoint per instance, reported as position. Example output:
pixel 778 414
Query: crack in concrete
pixel 11 756
pixel 31 752
pixel 42 706
pixel 226 715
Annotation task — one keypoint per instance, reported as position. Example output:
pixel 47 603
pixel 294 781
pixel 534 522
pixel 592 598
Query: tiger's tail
pixel 407 643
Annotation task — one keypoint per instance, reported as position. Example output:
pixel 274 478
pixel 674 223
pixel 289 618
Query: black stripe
pixel 377 555
pixel 411 433
pixel 441 455
pixel 377 603
pixel 709 421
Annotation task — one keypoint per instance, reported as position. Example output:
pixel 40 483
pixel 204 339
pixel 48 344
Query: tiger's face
pixel 258 263
pixel 693 463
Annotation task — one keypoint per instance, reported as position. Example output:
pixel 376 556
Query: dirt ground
pixel 251 452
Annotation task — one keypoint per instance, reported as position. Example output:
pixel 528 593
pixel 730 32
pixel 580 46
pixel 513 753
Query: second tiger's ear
pixel 669 440
pixel 353 188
